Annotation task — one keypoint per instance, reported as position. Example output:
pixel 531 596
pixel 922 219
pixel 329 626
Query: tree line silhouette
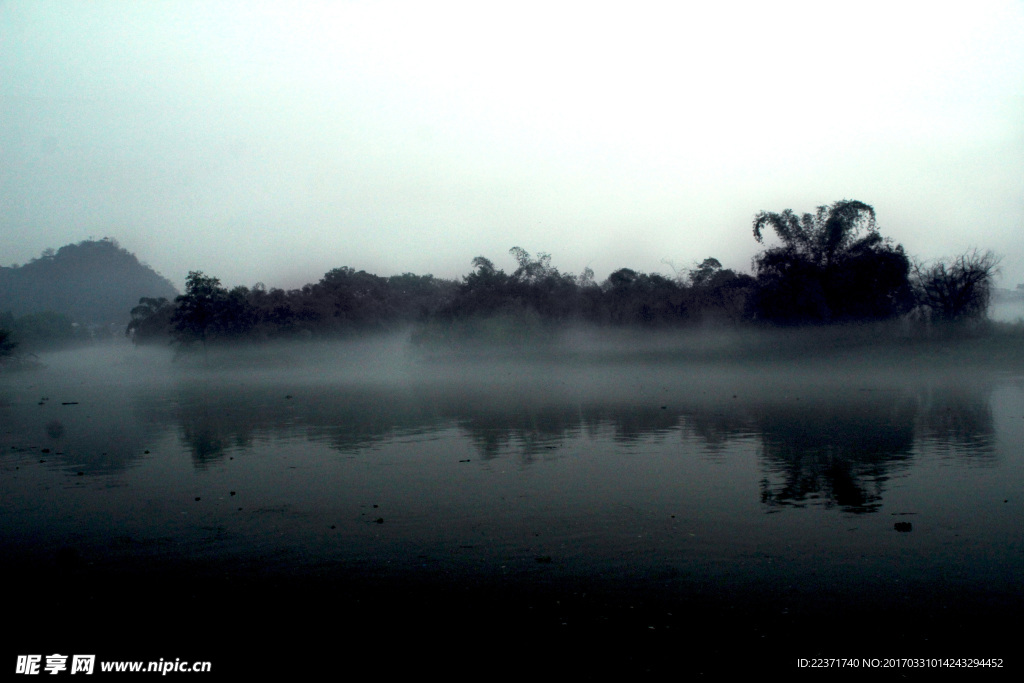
pixel 832 266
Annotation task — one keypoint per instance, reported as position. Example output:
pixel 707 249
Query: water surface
pixel 617 496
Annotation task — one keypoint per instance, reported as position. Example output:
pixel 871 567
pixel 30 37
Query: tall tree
pixel 831 265
pixel 823 237
pixel 196 316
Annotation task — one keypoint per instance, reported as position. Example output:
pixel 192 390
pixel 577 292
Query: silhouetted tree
pixel 820 238
pixel 346 299
pixel 539 286
pixel 151 320
pixel 531 270
pixel 527 306
pixel 280 312
pixel 632 298
pixel 718 293
pixel 483 291
pixel 959 290
pixel 197 310
pixel 705 272
pixel 832 265
pixel 415 297
pixel 238 316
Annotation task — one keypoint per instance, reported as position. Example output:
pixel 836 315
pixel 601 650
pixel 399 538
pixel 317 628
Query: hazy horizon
pixel 264 142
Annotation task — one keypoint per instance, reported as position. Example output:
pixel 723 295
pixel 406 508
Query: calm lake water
pixel 704 509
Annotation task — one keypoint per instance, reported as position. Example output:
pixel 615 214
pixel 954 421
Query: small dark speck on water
pixel 466 460
pixel 544 559
pixel 379 520
pixel 197 497
pixel 81 474
pixel 232 493
pixel 904 526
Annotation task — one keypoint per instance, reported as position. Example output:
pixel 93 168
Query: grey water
pixel 801 483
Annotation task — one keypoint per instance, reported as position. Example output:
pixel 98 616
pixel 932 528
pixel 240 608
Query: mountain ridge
pixel 91 282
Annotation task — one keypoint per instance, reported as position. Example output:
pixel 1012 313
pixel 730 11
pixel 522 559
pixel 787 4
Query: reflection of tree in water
pixel 633 423
pixel 841 452
pixel 719 425
pixel 501 421
pixel 497 427
pixel 828 448
pixel 535 430
pixel 353 418
pixel 958 418
pixel 838 452
pixel 213 422
pixel 209 428
pixel 204 440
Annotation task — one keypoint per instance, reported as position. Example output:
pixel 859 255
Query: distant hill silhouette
pixel 92 282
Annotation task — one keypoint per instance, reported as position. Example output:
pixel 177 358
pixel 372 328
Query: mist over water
pixel 711 468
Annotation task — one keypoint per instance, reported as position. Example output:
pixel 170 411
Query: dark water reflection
pixel 699 481
pixel 833 446
pixel 832 443
pixel 839 450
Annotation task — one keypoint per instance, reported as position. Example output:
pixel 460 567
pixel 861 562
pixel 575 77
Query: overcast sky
pixel 273 141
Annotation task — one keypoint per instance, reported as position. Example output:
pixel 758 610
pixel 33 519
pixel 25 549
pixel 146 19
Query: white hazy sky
pixel 273 141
